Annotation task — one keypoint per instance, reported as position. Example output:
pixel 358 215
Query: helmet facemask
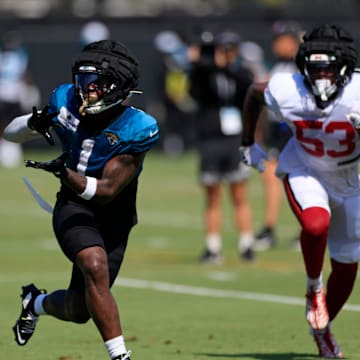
pixel 332 48
pixel 323 74
pixel 94 90
pixel 105 74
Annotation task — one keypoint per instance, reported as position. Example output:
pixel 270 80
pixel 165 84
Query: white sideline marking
pixel 178 289
pixel 229 294
pixel 220 275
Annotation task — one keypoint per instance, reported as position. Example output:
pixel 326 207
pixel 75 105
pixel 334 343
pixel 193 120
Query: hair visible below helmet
pixel 337 46
pixel 110 60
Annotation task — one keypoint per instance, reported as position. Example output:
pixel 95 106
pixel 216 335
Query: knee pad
pixel 315 221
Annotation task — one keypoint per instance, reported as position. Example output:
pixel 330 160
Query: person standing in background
pixel 219 83
pixel 273 135
pixel 93 31
pixel 253 58
pixel 17 91
pixel 176 106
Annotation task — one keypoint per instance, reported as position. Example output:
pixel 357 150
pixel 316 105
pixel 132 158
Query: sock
pixel 38 304
pixel 315 284
pixel 315 223
pixel 246 241
pixel 213 243
pixel 115 347
pixel 339 286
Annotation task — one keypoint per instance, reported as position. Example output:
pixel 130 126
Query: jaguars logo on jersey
pixel 112 138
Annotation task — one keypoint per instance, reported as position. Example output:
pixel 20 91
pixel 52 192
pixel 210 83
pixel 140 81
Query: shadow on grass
pixel 261 356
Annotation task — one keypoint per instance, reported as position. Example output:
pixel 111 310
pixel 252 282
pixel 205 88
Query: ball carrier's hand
pixel 40 121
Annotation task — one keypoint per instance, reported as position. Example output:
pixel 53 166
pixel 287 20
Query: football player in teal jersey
pixel 104 143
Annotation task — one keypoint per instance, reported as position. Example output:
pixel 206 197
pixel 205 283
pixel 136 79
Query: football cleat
pixel 316 310
pixel 248 255
pixel 125 356
pixel 26 323
pixel 209 257
pixel 265 240
pixel 327 346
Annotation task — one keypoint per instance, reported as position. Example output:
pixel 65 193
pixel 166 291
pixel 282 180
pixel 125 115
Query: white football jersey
pixel 323 139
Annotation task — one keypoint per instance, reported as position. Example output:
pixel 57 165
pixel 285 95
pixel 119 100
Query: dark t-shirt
pixel 214 89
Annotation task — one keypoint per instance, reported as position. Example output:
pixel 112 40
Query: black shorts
pixel 220 161
pixel 77 227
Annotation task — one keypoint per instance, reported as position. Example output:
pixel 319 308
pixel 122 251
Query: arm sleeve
pixel 18 130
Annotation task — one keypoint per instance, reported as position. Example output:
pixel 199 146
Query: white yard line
pixel 176 289
pixel 218 293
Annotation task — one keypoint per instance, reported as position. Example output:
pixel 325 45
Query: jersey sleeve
pixel 274 92
pixel 142 132
pixel 53 100
pixel 146 139
pixel 60 96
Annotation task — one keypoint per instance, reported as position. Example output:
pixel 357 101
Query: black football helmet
pixel 104 74
pixel 327 58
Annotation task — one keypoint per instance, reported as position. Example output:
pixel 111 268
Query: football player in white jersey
pixel 318 166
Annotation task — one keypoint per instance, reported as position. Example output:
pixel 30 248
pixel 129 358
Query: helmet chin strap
pixel 82 108
pixel 323 88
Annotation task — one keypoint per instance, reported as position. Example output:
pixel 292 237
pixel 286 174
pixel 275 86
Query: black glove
pixel 55 166
pixel 41 122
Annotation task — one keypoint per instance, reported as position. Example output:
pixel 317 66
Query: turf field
pixel 171 306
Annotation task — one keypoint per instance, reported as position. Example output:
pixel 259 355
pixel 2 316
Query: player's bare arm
pixel 117 173
pixel 252 154
pixel 253 105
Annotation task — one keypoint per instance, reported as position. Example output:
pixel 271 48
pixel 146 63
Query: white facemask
pixel 323 88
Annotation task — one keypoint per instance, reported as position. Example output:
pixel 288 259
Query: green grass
pixel 164 248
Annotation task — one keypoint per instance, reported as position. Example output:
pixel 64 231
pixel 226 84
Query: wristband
pixel 90 188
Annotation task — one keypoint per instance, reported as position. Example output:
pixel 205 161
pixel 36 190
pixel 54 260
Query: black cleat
pixel 125 356
pixel 209 257
pixel 26 323
pixel 248 255
pixel 265 240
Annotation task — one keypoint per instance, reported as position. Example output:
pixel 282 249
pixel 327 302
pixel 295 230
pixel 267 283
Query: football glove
pixel 40 121
pixel 55 166
pixel 354 118
pixel 254 156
